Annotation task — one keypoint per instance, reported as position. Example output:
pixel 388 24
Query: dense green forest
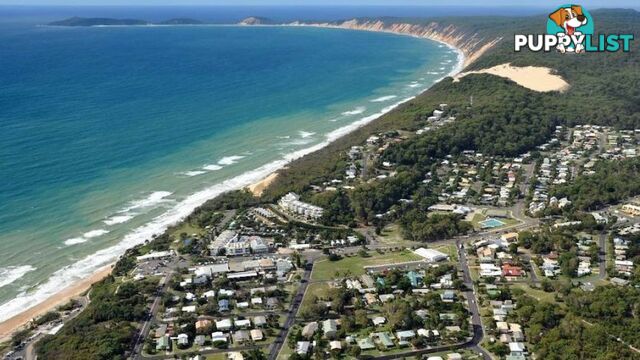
pixel 105 328
pixel 611 183
pixel 587 327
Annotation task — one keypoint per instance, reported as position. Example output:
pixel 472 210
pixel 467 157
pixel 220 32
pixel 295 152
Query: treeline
pixel 105 329
pixel 612 182
pixel 572 333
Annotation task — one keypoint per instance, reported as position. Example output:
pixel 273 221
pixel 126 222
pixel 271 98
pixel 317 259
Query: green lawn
pixel 536 293
pixel 313 290
pixel 325 270
pixel 392 235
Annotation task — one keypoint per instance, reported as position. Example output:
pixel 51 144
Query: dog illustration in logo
pixel 569 19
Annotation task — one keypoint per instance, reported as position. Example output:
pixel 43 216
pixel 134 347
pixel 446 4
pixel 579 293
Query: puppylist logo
pixel 570 29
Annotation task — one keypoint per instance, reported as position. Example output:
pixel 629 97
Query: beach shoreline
pixel 256 181
pixel 73 291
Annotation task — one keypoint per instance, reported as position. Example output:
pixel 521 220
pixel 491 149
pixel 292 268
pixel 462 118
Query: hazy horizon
pixel 267 3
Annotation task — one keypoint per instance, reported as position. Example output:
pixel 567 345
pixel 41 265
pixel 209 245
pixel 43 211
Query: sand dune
pixel 532 77
pixel 258 188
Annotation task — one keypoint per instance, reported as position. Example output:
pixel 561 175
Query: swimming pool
pixel 491 223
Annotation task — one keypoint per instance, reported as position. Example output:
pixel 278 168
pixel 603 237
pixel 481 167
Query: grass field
pixel 536 293
pixel 392 235
pixel 313 290
pixel 326 270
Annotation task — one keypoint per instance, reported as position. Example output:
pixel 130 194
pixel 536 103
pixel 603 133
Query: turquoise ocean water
pixel 109 134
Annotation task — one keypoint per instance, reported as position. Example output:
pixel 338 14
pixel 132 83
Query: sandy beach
pixel 535 78
pixel 9 326
pixel 258 188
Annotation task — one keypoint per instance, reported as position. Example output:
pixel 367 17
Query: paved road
pixel 603 255
pixel 146 326
pixel 291 316
pixel 472 302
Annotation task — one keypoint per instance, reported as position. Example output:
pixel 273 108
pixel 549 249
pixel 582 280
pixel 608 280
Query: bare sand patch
pixel 536 78
pixel 258 188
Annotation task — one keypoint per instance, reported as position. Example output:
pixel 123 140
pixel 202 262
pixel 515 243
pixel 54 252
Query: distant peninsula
pixel 256 20
pixel 80 21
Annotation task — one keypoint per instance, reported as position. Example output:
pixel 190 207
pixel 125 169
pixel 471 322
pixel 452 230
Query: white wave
pixel 13 273
pixel 442 68
pixel 230 160
pixel 95 233
pixel 284 137
pixel 153 199
pixel 433 73
pixel 194 173
pixel 384 98
pixel 414 85
pixel 118 219
pixel 333 120
pixel 90 264
pixel 212 167
pixel 75 241
pixel 306 134
pixel 356 111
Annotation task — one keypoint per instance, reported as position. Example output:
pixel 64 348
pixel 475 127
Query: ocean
pixel 110 134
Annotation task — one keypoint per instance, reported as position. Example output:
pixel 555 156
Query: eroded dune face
pixel 536 78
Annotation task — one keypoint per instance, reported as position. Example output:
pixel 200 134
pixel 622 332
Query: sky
pixel 474 3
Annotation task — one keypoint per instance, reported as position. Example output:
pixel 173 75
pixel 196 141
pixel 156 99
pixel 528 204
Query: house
pixel 163 343
pixel 379 320
pixel 189 309
pixel 183 339
pixel 454 356
pixel 272 303
pixel 330 328
pixel 223 305
pixel 414 278
pixel 371 298
pixel 200 340
pixel 203 324
pixel 366 344
pixel 309 329
pixel 517 348
pixel 209 294
pixel 386 297
pixel 509 270
pixel 335 345
pixel 259 321
pixel 243 324
pixel 302 347
pixel 448 296
pixel 224 325
pixel 385 340
pixel 241 336
pixel 258 245
pixel 405 336
pixel 256 335
pixel 235 355
pixel 256 301
pixel 218 336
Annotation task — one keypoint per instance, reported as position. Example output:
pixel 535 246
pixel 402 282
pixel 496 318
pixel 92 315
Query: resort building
pixel 292 204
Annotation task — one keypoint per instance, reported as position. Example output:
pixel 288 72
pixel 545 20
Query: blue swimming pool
pixel 491 223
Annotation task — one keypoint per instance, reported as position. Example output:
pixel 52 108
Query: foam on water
pixel 12 273
pixel 230 160
pixel 306 134
pixel 75 241
pixel 194 173
pixel 212 167
pixel 118 219
pixel 95 233
pixel 153 199
pixel 384 98
pixel 356 111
